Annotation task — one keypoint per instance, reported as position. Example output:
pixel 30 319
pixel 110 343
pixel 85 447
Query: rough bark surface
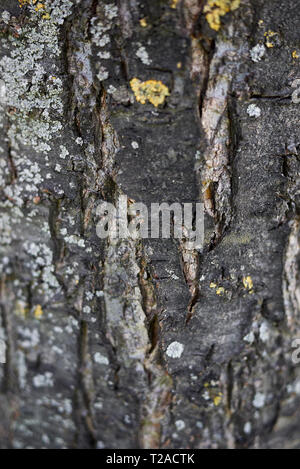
pixel 87 323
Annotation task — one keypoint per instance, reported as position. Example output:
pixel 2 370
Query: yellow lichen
pixel 38 312
pixel 215 9
pixel 174 3
pixel 219 290
pixel 218 399
pixel 143 22
pixel 295 55
pixel 269 35
pixel 248 283
pixel 40 6
pixel 24 2
pixel 213 393
pixel 153 91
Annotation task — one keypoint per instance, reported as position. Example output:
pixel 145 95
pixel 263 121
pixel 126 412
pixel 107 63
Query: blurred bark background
pixel 126 344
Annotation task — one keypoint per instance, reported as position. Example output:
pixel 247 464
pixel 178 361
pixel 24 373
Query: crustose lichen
pixel 31 2
pixel 37 6
pixel 153 91
pixel 214 9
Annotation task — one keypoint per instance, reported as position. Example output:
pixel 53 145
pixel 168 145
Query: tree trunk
pixel 147 343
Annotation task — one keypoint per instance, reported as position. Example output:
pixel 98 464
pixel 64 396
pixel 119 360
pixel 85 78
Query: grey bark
pixel 87 323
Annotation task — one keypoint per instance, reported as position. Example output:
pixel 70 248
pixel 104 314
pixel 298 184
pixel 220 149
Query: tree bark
pixel 123 343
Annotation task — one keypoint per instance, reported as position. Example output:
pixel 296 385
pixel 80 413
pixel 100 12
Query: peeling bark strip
pixel 215 121
pixel 122 343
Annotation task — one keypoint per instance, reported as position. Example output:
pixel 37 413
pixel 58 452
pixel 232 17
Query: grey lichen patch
pixel 40 263
pixel 175 350
pixel 254 111
pixel 143 55
pixel 100 359
pixel 31 92
pixel 45 380
pixel 32 109
pixel 32 99
pixel 257 52
pixel 259 400
pixel 100 29
pixel 31 115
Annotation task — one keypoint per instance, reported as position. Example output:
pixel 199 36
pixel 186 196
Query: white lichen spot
pixel 105 55
pixel 45 380
pixel 175 350
pixel 264 332
pixel 73 239
pixel 102 74
pixel 247 428
pixel 259 400
pixel 254 111
pixel 31 338
pixel 100 359
pixel 104 41
pixel 6 17
pixel 111 89
pixel 142 54
pixel 180 425
pixel 57 350
pixel 172 274
pixel 79 141
pixel 63 152
pixel 198 155
pixel 111 11
pixel 257 52
pixel 98 405
pixel 89 295
pixel 135 145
